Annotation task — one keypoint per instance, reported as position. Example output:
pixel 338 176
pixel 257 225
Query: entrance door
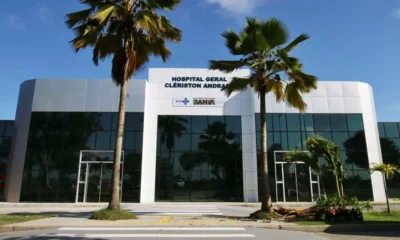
pixel 94 183
pixel 295 182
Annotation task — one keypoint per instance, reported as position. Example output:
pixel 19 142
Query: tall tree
pixel 263 48
pixel 131 31
pixel 388 171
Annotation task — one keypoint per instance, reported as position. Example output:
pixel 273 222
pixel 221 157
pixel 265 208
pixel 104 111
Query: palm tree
pixel 131 31
pixel 318 147
pixel 261 45
pixel 388 171
pixel 171 127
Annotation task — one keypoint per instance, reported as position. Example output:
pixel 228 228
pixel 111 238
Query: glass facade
pixel 6 133
pixel 390 146
pixel 290 131
pixel 199 159
pixel 54 144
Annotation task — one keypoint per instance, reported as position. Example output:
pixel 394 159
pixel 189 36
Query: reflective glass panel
pixel 199 124
pixel 293 122
pixel 294 140
pixel 103 140
pixel 381 129
pixel 322 122
pixel 279 120
pixel 308 122
pixel 339 122
pixel 339 138
pixel 391 130
pixel 355 122
pixel 233 124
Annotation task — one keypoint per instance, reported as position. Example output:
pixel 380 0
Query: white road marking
pixel 150 235
pixel 151 229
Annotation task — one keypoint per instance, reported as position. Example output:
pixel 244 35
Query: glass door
pixel 295 182
pixel 95 176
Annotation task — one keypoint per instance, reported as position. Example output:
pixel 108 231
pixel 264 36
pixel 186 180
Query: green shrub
pixel 106 214
pixel 335 202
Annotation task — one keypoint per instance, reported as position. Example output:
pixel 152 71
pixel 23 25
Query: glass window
pixel 270 126
pixel 279 122
pixel 182 143
pixel 114 140
pixel 322 122
pixel 91 141
pixel 280 140
pixel 105 121
pixel 339 138
pixel 213 119
pixel 294 140
pixel 2 127
pixel 293 122
pixel 339 122
pixel 129 141
pixel 381 129
pixel 134 121
pixel 9 131
pixel 233 124
pixel 138 141
pixel 197 142
pixel 355 122
pixel 270 140
pixel 199 124
pixel 103 140
pixel 391 130
pixel 308 122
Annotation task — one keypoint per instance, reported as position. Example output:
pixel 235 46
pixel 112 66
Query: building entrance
pixel 94 183
pixel 295 182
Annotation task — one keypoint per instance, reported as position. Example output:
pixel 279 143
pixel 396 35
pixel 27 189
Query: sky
pixel 351 40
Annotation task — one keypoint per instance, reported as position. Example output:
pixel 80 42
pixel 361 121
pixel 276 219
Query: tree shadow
pixel 371 229
pixel 56 214
pixel 51 237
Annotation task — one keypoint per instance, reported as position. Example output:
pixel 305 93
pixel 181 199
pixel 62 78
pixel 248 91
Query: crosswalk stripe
pixel 150 235
pixel 151 229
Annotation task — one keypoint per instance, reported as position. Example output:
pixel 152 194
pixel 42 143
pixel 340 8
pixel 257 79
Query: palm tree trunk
pixel 116 174
pixel 386 192
pixel 266 204
pixel 337 186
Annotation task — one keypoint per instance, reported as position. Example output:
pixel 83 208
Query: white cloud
pixel 44 13
pixel 237 6
pixel 12 21
pixel 396 13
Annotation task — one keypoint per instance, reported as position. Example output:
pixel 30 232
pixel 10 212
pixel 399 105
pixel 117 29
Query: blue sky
pixel 353 40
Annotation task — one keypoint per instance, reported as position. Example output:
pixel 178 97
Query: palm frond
pixel 277 88
pixel 231 39
pixel 305 157
pixel 275 32
pixel 167 31
pixel 227 66
pixel 107 44
pixel 296 42
pixel 389 170
pixel 146 20
pixel 293 97
pixel 166 5
pixel 76 18
pixel 238 84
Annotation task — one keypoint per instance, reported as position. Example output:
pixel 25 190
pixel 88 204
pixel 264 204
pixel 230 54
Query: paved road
pixel 104 233
pixel 392 235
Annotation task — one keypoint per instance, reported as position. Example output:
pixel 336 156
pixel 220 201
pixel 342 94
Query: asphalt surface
pixel 105 233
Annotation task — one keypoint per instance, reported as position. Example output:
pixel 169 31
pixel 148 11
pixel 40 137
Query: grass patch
pixel 369 218
pixel 382 216
pixel 106 214
pixel 10 219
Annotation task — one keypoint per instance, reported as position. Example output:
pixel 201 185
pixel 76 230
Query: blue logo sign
pixel 184 101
